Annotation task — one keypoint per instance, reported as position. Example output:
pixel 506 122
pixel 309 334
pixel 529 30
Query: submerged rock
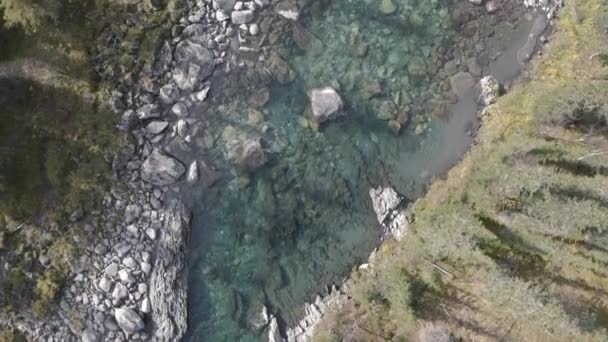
pixel 161 169
pixel 192 173
pixel 251 155
pixel 489 90
pixel 281 70
pixel 388 7
pixel 326 104
pixel 128 320
pixel 288 9
pixel 461 82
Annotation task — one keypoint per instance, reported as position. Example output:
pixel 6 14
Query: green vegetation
pixel 513 245
pixel 55 138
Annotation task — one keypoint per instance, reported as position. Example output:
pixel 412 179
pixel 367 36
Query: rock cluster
pixel 314 313
pixel 391 212
pixel 115 289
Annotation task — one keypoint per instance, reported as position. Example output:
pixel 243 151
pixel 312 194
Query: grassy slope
pixel 54 136
pixel 513 245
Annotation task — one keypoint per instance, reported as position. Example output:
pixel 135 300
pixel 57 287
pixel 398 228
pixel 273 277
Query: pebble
pixel 151 233
pixel 111 270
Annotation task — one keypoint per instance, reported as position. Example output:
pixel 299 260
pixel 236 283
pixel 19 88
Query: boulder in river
pixel 251 155
pixel 161 169
pixel 384 200
pixel 326 104
pixel 489 90
pixel 128 320
pixel 192 173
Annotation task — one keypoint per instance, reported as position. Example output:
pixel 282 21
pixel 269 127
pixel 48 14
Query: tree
pixel 29 14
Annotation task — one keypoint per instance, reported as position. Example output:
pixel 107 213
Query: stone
pixel 491 6
pixel 76 215
pixel 129 262
pixel 145 305
pixel 146 256
pixel 288 9
pixel 180 109
pixel 101 249
pixel 111 270
pixel 120 291
pixel 182 128
pixel 384 201
pixel 128 320
pixel 156 127
pixel 194 64
pixel 387 7
pixel 201 95
pixel 489 90
pixel 89 335
pixel 128 120
pixel 461 82
pixel 168 93
pixel 326 104
pixel 151 233
pixel 105 284
pixel 142 288
pixel 274 335
pixel 146 267
pixel 476 2
pixel 161 169
pixel 224 5
pixel 169 303
pixel 280 70
pixel 251 155
pixel 259 98
pixel 133 230
pixel 254 29
pixel 149 111
pixel 132 213
pixel 242 17
pixel 110 323
pixel 125 276
pixel 192 173
pixel 221 16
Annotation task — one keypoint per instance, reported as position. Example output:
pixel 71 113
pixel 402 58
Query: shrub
pixel 29 14
pixel 46 291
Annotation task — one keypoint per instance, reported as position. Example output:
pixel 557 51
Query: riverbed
pixel 278 235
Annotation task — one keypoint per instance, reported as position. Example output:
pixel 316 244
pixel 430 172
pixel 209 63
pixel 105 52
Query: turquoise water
pixel 278 236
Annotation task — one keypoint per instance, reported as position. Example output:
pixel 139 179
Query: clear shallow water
pixel 279 236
